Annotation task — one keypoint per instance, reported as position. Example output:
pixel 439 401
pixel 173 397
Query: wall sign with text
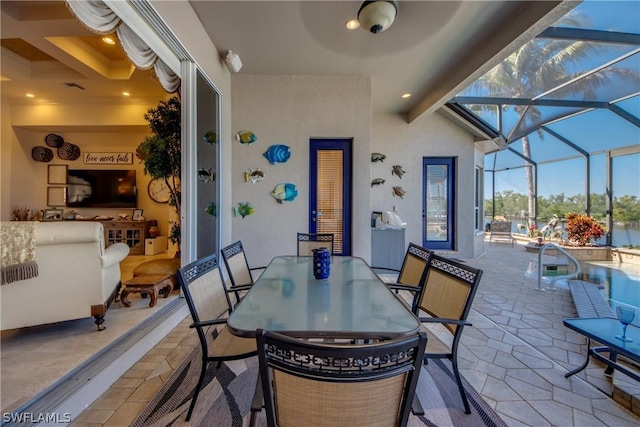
pixel 109 158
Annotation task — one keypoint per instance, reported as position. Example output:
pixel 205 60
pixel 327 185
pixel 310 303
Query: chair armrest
pixel 208 323
pixel 114 254
pixel 395 270
pixel 240 287
pixel 401 287
pixel 443 320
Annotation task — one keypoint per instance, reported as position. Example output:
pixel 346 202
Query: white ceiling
pixel 433 50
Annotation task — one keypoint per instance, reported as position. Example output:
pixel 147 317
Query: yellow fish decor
pixel 277 154
pixel 246 137
pixel 243 209
pixel 211 137
pixel 284 192
pixel 254 175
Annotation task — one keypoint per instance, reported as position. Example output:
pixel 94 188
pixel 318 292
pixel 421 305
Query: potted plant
pixel 582 229
pixel 160 153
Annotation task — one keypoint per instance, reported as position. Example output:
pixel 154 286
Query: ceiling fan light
pixel 377 16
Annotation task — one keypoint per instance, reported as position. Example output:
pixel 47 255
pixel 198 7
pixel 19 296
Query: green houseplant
pixel 160 153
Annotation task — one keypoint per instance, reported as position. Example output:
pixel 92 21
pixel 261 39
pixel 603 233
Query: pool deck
pixel 515 355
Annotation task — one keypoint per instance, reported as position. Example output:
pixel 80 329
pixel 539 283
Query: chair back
pixel 415 265
pixel 204 290
pixel 236 264
pixel 328 384
pixel 449 290
pixel 309 241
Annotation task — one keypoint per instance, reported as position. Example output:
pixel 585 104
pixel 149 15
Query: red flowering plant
pixel 533 231
pixel 581 229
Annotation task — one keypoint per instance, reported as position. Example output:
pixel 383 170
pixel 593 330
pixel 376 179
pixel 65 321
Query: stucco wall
pixel 290 110
pixel 406 145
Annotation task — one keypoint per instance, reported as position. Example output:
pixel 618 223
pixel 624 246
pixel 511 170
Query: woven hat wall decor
pixel 41 154
pixel 68 151
pixel 54 140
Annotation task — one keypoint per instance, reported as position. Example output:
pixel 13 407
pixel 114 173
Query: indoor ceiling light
pixel 108 40
pixel 406 95
pixel 126 94
pixel 377 16
pixel 30 95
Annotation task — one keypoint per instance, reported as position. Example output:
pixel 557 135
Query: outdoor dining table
pixel 351 303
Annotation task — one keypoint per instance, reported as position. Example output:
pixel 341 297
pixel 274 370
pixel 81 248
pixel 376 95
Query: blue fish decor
pixel 246 137
pixel 212 209
pixel 284 192
pixel 211 137
pixel 243 209
pixel 277 154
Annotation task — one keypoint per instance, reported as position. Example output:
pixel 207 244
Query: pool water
pixel 621 281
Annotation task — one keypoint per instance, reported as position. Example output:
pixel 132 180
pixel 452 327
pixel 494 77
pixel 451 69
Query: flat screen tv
pixel 101 188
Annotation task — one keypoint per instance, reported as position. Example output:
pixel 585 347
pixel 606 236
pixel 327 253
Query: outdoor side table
pixel 604 331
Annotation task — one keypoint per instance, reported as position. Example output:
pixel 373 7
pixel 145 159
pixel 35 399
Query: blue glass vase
pixel 321 263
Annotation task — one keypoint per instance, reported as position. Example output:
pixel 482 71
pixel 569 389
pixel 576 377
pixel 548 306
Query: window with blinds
pixel 330 195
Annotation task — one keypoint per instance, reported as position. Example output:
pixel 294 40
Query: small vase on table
pixel 321 263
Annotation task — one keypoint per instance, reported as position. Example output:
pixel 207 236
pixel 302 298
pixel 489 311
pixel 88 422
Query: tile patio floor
pixel 515 355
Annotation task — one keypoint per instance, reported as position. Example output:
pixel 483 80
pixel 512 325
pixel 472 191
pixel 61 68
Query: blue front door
pixel 330 191
pixel 438 202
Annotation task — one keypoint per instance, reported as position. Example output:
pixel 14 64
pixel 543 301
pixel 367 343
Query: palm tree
pixel 541 65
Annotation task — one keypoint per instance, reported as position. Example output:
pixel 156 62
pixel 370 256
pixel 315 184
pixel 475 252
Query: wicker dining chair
pixel 443 303
pixel 209 304
pixel 307 242
pixel 329 384
pixel 240 274
pixel 411 275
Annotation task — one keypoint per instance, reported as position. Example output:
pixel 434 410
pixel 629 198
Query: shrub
pixel 581 229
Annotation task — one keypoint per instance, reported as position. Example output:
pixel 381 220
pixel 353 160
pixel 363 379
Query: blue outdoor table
pixel 352 303
pixel 604 331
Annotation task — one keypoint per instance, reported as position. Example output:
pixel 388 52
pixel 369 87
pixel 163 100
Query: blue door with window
pixel 330 168
pixel 438 203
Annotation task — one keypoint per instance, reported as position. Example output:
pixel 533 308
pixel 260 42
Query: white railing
pixel 553 279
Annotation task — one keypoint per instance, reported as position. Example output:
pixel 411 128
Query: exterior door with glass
pixel 330 191
pixel 438 202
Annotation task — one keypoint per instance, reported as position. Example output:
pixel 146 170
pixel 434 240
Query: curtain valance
pixel 99 18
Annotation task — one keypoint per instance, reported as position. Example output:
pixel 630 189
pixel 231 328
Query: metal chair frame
pixel 308 241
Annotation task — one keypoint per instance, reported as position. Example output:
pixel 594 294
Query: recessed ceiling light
pixel 406 95
pixel 352 24
pixel 30 95
pixel 125 94
pixel 108 40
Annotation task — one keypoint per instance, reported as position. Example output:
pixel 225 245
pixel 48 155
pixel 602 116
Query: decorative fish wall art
pixel 212 209
pixel 397 170
pixel 211 137
pixel 284 192
pixel 206 175
pixel 243 209
pixel 377 157
pixel 377 181
pixel 254 175
pixel 246 137
pixel 399 192
pixel 277 154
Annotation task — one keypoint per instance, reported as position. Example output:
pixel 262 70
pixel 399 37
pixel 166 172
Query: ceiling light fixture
pixel 352 24
pixel 108 40
pixel 377 16
pixel 126 94
pixel 406 95
pixel 30 95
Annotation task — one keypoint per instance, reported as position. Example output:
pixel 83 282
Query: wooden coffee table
pixel 147 283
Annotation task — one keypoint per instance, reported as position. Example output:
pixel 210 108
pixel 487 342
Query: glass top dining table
pixel 352 303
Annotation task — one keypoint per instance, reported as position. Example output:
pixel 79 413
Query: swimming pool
pixel 621 281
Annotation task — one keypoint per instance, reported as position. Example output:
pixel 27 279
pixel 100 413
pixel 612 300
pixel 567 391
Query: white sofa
pixel 77 277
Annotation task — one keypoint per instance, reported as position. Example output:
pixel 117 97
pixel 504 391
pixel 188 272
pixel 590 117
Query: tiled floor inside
pixel 515 355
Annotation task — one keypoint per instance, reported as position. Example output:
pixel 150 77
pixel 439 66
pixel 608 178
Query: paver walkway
pixel 515 354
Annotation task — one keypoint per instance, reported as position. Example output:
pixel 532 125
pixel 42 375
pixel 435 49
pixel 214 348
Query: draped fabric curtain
pixel 99 18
